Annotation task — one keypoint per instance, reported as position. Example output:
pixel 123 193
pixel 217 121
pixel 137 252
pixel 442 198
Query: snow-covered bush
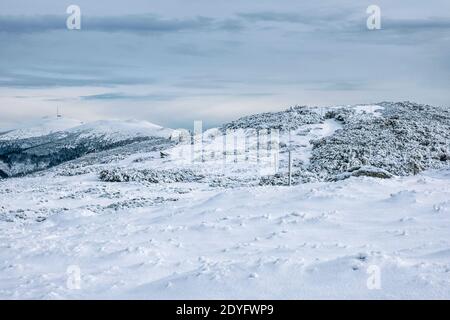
pixel 149 175
pixel 289 119
pixel 367 171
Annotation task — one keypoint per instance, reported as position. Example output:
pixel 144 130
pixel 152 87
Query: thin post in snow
pixel 290 168
pixel 290 159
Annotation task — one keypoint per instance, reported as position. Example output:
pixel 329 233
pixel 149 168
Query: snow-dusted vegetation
pixel 144 216
pixel 406 139
pixel 290 119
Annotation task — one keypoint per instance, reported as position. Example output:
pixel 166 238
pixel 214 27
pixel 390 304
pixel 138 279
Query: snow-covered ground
pixel 135 221
pixel 181 240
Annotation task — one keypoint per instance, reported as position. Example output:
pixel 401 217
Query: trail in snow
pixel 299 140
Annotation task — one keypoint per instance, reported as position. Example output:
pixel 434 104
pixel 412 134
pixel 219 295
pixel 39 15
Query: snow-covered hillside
pixel 140 214
pixel 56 141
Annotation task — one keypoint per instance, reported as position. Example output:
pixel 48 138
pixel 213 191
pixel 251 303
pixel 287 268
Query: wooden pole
pixel 290 168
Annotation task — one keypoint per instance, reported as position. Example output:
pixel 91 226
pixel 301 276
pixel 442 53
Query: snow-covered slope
pixel 37 149
pixel 184 240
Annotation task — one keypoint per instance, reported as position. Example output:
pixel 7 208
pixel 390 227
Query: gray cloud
pixel 138 23
pixel 344 20
pixel 167 96
pixel 349 24
pixel 439 23
pixel 42 81
pixel 337 85
pixel 124 96
pixel 298 17
pixel 270 16
pixel 28 24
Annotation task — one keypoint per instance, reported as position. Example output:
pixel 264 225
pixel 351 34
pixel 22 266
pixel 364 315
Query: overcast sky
pixel 175 61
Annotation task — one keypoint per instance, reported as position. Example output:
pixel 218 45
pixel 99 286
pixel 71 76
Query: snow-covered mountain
pixel 115 129
pixel 143 215
pixel 51 142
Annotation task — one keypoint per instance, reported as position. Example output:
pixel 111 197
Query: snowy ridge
pixel 120 130
pixel 113 128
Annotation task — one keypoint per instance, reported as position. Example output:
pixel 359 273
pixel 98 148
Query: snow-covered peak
pixel 120 128
pixel 40 127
